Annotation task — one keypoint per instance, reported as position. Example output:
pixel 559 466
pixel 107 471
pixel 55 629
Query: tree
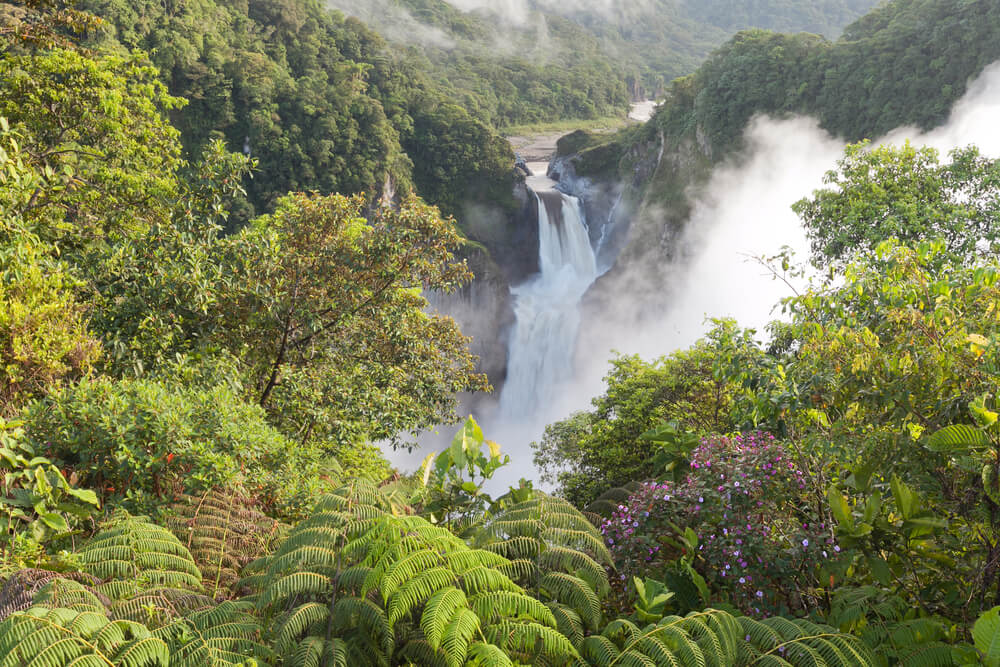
pixel 43 336
pixel 96 129
pixel 327 317
pixel 591 452
pixel 905 193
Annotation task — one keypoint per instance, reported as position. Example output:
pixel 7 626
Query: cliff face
pixel 504 253
pixel 635 191
pixel 483 311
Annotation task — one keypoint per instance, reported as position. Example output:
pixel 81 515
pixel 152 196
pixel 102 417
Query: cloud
pixel 394 22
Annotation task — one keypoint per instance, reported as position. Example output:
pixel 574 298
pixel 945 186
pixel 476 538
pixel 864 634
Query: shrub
pixel 741 517
pixel 147 439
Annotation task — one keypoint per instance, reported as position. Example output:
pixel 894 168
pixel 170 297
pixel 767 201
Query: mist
pixel 520 11
pixel 743 212
pixel 394 22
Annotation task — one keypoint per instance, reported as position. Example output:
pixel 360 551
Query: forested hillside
pixel 646 43
pixel 905 63
pixel 317 100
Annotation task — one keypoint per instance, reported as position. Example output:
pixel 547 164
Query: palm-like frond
pixel 878 618
pixel 130 554
pixel 554 550
pixel 21 588
pixel 223 531
pixel 70 594
pixel 356 582
pixel 61 637
pixel 226 634
pixel 713 637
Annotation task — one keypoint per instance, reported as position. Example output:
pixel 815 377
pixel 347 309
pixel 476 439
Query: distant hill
pixel 905 63
pixel 646 42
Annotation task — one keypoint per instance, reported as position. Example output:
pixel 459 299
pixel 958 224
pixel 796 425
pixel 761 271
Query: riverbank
pixel 537 143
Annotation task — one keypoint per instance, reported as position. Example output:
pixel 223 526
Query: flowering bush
pixel 758 541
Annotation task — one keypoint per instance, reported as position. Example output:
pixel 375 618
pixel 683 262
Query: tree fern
pixel 411 562
pixel 713 637
pixel 45 637
pixel 355 584
pixel 224 532
pixel 782 641
pixel 70 594
pixel 555 551
pixel 226 634
pixel 156 607
pixel 20 588
pixel 879 619
pixel 131 554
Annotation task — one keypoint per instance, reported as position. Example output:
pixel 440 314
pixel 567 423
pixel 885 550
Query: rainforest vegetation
pixel 190 386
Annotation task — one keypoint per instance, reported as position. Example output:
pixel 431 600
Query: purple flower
pixel 805 543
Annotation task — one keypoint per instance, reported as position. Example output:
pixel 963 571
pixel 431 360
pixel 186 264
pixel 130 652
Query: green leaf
pixel 86 495
pixel 990 482
pixel 907 502
pixel 880 570
pixel 958 439
pixel 986 636
pixel 54 521
pixel 466 442
pixel 840 508
pixel 983 416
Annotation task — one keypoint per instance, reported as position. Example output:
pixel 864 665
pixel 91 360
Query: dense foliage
pixel 178 402
pixel 517 62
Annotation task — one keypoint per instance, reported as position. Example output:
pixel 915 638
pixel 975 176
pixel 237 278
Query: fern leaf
pixel 438 613
pixel 575 593
pixel 58 637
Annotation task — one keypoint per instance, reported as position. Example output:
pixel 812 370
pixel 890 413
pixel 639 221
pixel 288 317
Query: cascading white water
pixel 540 353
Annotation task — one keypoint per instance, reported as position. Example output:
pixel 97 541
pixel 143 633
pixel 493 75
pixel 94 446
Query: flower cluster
pixel 759 542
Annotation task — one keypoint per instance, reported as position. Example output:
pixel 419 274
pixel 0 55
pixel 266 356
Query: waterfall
pixel 540 354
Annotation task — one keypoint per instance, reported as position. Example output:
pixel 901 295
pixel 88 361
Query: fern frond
pixel 298 623
pixel 800 643
pixel 57 637
pixel 158 606
pixel 418 651
pixel 418 590
pixel 70 594
pixel 524 571
pixel 494 606
pixel 574 593
pixel 568 622
pixel 305 583
pixel 528 640
pixel 457 636
pixel 131 549
pixel 223 635
pixel 355 613
pixel 438 613
pixel 223 531
pixel 488 655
